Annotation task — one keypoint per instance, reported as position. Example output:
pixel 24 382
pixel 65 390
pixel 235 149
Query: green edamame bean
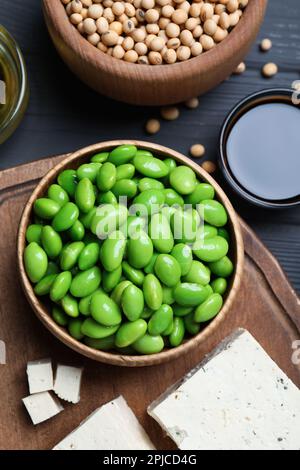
pixel 171 164
pixel 172 198
pixel 149 183
pixel 177 335
pixel 44 285
pixel 100 157
pixel 223 232
pixel 125 171
pixel 94 330
pixel 169 329
pixel 146 313
pixel 104 344
pixel 66 217
pixel 124 187
pixel 190 294
pixel 118 291
pixel 136 276
pixel 107 219
pixel 33 233
pixel 198 273
pixel 167 269
pixel 84 303
pixel 70 306
pixel 184 226
pixel 214 212
pixel 89 256
pixel 111 279
pixel 149 202
pixel 105 310
pixel 51 241
pixel 88 170
pixel 139 250
pixel 70 254
pixel 150 166
pixel 222 267
pixel 130 332
pixel 46 208
pixel 202 191
pixel 60 286
pixel 77 231
pixel 59 316
pixel 153 293
pixel 74 328
pixel 86 219
pixel 183 254
pixel 160 320
pixel 219 285
pixel 67 179
pixel 122 154
pixel 208 231
pixel 210 249
pixel 112 251
pixel 183 180
pixel 106 176
pixel 209 308
pixel 144 152
pixel 132 302
pixel 148 344
pixel 161 234
pixel 180 311
pixel 149 268
pixel 106 198
pixel 168 297
pixel 52 268
pixel 35 261
pixel 190 325
pixel 84 195
pixel 58 194
pixel 86 282
pixel 133 226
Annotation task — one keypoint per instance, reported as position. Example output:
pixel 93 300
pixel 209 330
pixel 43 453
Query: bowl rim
pixel 81 46
pixel 243 106
pixel 115 358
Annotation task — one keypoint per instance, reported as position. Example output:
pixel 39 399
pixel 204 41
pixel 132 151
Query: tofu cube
pixel 236 399
pixel 67 383
pixel 41 406
pixel 40 376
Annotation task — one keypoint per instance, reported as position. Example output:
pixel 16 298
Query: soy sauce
pixel 263 151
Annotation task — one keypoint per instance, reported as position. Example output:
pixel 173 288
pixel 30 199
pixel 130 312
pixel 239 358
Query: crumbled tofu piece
pixel 41 406
pixel 40 376
pixel 111 427
pixel 237 398
pixel 67 383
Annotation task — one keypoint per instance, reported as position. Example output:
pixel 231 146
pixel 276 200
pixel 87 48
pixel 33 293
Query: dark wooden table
pixel 64 114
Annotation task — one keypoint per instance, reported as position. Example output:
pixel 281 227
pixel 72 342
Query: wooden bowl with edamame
pixel 105 297
pixel 143 84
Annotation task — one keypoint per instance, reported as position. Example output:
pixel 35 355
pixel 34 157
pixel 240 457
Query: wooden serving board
pixel 267 306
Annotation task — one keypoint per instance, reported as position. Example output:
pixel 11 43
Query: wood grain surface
pixel 65 115
pixel 267 306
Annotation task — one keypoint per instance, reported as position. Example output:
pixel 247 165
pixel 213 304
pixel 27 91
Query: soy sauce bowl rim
pixel 232 117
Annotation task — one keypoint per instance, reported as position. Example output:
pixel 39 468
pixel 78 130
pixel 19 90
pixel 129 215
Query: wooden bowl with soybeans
pixel 153 52
pixel 139 290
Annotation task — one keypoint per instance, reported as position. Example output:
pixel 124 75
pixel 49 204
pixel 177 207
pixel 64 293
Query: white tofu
pixel 67 383
pixel 41 406
pixel 237 398
pixel 40 376
pixel 111 427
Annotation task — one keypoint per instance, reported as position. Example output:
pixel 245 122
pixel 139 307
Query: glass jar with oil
pixel 13 85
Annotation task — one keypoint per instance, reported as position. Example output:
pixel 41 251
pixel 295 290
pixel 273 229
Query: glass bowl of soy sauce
pixel 260 148
pixel 14 92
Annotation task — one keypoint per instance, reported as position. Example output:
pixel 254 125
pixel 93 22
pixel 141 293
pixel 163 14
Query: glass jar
pixel 14 91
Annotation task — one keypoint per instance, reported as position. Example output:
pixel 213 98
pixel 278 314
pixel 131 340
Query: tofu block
pixel 111 427
pixel 236 399
pixel 41 406
pixel 67 383
pixel 40 376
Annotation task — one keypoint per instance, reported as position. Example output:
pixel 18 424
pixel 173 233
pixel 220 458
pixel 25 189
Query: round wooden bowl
pixel 151 84
pixel 237 254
